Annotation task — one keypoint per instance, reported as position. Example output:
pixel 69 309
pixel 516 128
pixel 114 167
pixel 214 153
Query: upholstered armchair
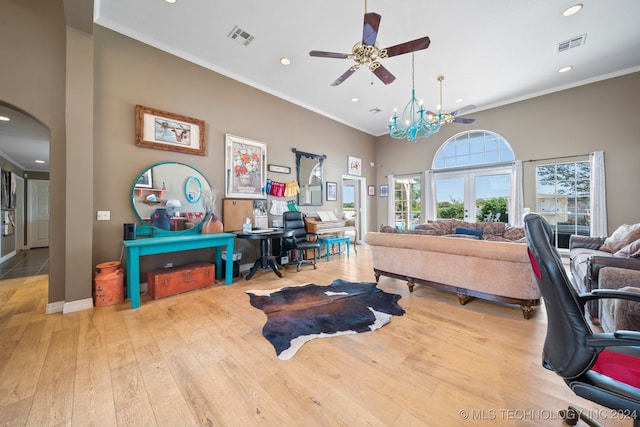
pixel 588 255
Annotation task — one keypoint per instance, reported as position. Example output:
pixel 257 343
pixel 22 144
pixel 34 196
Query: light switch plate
pixel 104 215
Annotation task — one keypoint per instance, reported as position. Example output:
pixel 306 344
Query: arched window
pixel 472 174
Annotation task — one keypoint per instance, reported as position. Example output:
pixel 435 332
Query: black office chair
pixel 601 367
pixel 296 238
pixel 161 219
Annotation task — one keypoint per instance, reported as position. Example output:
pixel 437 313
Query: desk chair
pixel 601 367
pixel 161 219
pixel 295 237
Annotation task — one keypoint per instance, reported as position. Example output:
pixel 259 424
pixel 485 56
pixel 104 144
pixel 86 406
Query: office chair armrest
pixel 609 293
pixel 615 339
pixel 287 234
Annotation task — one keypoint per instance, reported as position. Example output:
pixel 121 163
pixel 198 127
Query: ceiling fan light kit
pixel 367 52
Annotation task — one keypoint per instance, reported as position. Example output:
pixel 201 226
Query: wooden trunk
pixel 164 282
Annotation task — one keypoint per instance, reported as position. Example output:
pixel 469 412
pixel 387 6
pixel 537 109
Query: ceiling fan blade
pixel 323 54
pixel 408 47
pixel 370 28
pixel 343 77
pixel 382 73
pixel 463 120
pixel 463 110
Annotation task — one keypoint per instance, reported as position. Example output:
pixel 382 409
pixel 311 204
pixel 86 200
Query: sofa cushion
pixel 632 250
pixel 469 232
pixel 620 238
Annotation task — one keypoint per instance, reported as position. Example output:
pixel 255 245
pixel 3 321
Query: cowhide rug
pixel 298 314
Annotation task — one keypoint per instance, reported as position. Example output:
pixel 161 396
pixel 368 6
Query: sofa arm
pixel 620 314
pixel 578 241
pixel 597 262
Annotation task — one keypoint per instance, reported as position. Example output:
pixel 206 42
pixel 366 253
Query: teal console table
pixel 134 249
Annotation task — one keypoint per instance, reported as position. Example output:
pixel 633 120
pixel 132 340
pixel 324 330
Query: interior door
pixel 38 213
pixel 353 205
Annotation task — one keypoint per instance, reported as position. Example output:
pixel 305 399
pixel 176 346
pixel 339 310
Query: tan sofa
pixel 495 267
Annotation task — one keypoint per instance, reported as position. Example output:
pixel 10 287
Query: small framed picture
pixel 384 191
pixel 355 166
pixel 372 190
pixel 145 180
pixel 332 191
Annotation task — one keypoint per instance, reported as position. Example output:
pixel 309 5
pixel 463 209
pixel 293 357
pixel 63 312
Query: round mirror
pixel 193 189
pixel 177 183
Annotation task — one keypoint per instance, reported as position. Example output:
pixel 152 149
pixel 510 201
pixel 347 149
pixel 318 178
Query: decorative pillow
pixel 513 233
pixel 491 229
pixel 388 229
pixel 443 226
pixel 620 238
pixel 632 250
pixel 469 231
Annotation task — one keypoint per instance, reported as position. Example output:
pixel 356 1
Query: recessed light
pixel 354 99
pixel 4 119
pixel 565 69
pixel 572 10
pixel 459 100
pixel 285 61
pixel 39 161
pixel 171 1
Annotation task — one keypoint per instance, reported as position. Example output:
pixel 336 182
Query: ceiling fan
pixel 367 52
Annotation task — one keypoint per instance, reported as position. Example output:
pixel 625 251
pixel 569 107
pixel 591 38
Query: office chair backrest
pixel 565 350
pixel 293 221
pixel 161 219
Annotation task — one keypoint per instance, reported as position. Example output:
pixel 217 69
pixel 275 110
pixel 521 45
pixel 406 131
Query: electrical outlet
pixel 104 215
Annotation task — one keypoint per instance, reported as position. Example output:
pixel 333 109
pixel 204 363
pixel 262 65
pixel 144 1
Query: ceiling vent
pixel 240 35
pixel 571 43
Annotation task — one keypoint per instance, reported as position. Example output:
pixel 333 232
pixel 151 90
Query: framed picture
pixel 384 191
pixel 245 167
pixel 279 169
pixel 355 166
pixel 372 190
pixel 332 191
pixel 168 131
pixel 145 180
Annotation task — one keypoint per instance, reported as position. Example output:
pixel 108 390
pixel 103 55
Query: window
pixel 407 195
pixel 563 198
pixel 472 175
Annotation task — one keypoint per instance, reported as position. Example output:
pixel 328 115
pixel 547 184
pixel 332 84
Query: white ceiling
pixel 491 52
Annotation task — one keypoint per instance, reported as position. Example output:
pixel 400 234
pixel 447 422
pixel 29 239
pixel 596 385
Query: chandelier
pixel 416 122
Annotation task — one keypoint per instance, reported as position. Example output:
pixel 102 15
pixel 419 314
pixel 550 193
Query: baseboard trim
pixel 83 304
pixel 54 307
pixel 8 256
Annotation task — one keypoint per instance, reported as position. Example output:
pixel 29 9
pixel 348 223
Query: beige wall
pixel 599 116
pixel 129 73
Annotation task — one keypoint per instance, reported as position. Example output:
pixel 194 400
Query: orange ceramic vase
pixel 211 224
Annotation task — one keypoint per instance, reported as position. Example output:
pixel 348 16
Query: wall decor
pixel 169 131
pixel 355 166
pixel 145 180
pixel 279 169
pixel 245 167
pixel 332 191
pixel 384 191
pixel 372 190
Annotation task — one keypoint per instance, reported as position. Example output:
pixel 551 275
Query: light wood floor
pixel 199 359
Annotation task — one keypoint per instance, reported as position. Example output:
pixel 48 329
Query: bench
pixel 330 240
